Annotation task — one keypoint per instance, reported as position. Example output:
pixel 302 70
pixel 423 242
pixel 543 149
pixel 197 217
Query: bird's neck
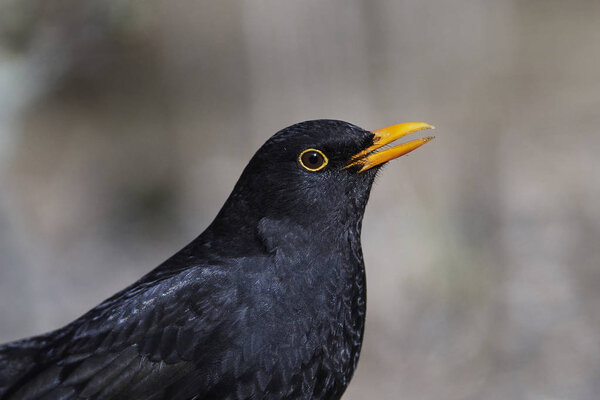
pixel 244 225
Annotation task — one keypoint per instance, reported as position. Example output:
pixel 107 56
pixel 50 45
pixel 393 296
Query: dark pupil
pixel 313 159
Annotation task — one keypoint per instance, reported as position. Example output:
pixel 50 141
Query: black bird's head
pixel 315 173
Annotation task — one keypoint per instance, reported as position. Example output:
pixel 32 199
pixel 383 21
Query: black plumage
pixel 268 303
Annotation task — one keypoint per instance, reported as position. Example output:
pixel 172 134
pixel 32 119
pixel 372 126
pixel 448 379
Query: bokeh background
pixel 124 125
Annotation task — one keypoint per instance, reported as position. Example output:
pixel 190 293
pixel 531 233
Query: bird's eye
pixel 313 160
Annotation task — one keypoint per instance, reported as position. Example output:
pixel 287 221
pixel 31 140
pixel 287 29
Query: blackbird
pixel 267 303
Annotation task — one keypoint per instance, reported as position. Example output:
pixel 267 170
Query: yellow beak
pixel 368 158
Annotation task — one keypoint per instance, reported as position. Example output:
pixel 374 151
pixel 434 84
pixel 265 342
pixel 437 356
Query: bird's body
pixel 268 303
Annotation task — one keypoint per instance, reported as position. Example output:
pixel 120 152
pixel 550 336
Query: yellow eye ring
pixel 313 160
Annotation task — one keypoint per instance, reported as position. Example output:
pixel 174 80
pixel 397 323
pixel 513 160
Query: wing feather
pixel 140 341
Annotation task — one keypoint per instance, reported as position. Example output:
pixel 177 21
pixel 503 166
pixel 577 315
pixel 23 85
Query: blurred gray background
pixel 124 125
